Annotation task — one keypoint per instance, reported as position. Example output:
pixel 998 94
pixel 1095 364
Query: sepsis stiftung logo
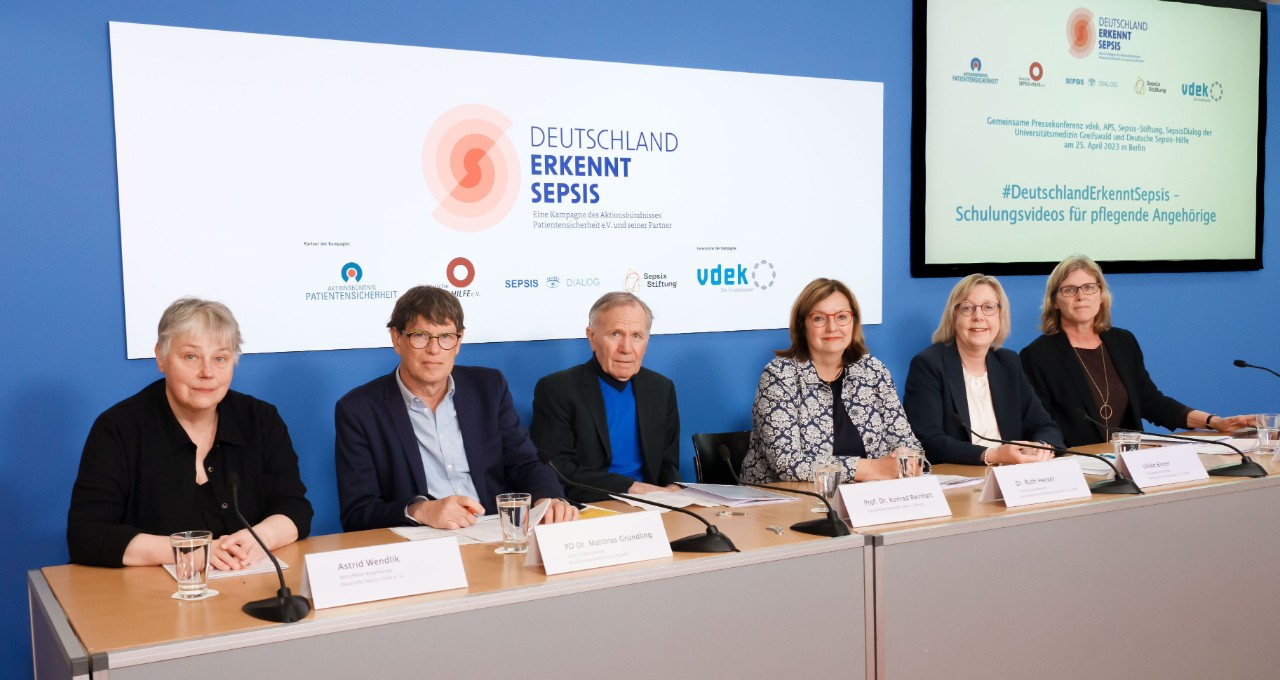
pixel 471 168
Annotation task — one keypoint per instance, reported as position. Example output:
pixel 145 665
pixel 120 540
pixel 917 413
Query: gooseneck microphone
pixel 1241 363
pixel 831 525
pixel 1120 484
pixel 712 541
pixel 1245 468
pixel 285 607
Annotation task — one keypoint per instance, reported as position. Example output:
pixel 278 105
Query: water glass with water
pixel 513 513
pixel 191 562
pixel 1123 442
pixel 1268 432
pixel 827 476
pixel 910 462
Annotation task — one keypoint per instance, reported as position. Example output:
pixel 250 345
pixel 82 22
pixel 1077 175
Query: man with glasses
pixel 433 443
pixel 609 423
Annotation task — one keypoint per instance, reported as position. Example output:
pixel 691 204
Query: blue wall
pixel 62 316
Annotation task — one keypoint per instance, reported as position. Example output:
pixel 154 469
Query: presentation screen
pixel 1127 130
pixel 308 183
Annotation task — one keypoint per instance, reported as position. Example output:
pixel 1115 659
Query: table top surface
pixel 98 600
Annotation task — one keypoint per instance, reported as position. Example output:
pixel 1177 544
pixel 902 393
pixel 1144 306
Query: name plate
pixel 1163 465
pixel 894 500
pixel 380 572
pixel 589 543
pixel 1031 483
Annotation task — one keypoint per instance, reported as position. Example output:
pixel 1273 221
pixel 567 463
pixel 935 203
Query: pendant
pixel 1106 412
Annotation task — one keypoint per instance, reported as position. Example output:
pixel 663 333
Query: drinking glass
pixel 1268 432
pixel 826 479
pixel 191 562
pixel 513 513
pixel 1123 442
pixel 910 463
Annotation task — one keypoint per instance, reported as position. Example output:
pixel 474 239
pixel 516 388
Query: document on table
pixel 676 499
pixel 1091 466
pixel 957 481
pixel 487 529
pixel 262 566
pixel 1245 444
pixel 734 496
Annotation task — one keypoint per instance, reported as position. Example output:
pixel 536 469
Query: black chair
pixel 709 464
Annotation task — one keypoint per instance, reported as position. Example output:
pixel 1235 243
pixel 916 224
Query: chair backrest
pixel 709 464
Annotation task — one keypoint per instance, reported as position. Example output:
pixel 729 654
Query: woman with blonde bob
pixel 825 397
pixel 1083 365
pixel 966 374
pixel 160 461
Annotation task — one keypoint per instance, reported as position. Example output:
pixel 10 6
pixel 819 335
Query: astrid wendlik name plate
pixel 894 500
pixel 380 572
pixel 1031 483
pixel 601 542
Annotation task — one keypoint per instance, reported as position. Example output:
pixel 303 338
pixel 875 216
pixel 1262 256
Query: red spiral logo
pixel 1080 34
pixel 471 167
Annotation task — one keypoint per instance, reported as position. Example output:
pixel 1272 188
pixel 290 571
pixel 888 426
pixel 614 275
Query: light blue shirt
pixel 439 436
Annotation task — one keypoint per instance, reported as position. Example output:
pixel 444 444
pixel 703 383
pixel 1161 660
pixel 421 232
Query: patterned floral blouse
pixel 792 426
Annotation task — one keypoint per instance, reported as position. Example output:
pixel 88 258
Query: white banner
pixel 307 183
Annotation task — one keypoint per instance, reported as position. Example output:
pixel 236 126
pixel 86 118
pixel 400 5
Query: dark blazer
pixel 1056 375
pixel 936 390
pixel 137 475
pixel 569 424
pixel 379 466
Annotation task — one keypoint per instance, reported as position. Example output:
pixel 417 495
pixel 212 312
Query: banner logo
pixel 350 271
pixel 1036 71
pixel 1080 34
pixel 471 167
pixel 467 275
pixel 763 275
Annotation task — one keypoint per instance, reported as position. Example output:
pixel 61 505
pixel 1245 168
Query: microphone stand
pixel 285 607
pixel 712 541
pixel 1245 468
pixel 1119 485
pixel 831 525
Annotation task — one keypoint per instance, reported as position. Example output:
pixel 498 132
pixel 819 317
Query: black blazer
pixel 379 466
pixel 569 424
pixel 137 475
pixel 936 390
pixel 1056 375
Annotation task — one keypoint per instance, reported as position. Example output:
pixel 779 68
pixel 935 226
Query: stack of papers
pixel 262 566
pixel 675 499
pixel 957 481
pixel 734 496
pixel 487 529
pixel 1246 445
pixel 1092 466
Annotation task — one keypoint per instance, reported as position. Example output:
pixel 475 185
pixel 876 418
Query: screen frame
pixel 919 232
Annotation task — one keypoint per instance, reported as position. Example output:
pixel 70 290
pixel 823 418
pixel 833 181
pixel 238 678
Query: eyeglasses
pixel 968 308
pixel 819 319
pixel 1087 289
pixel 422 339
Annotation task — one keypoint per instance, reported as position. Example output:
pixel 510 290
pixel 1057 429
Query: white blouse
pixel 982 415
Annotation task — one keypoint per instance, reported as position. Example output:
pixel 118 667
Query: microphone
pixel 712 541
pixel 831 525
pixel 1241 363
pixel 285 607
pixel 1245 468
pixel 1120 484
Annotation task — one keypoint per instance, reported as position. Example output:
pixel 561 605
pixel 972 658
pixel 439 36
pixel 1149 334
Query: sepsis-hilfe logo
pixel 471 168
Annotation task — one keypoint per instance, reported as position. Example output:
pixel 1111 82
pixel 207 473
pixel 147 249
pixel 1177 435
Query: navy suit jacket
pixel 936 390
pixel 570 425
pixel 1056 375
pixel 379 467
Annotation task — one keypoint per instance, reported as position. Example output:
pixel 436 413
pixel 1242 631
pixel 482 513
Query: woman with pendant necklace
pixel 966 374
pixel 1082 363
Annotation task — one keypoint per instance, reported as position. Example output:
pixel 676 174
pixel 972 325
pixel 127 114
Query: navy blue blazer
pixel 570 424
pixel 379 467
pixel 936 390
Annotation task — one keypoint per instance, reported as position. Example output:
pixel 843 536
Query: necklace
pixel 1104 411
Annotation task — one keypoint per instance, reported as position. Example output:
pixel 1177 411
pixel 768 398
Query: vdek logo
pixel 1202 91
pixel 723 275
pixel 350 271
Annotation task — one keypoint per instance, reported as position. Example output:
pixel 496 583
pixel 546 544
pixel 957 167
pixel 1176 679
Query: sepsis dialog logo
pixel 471 168
pixel 1081 37
pixel 351 271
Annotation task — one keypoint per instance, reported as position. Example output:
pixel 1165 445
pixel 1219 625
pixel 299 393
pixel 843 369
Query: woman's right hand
pixel 1013 454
